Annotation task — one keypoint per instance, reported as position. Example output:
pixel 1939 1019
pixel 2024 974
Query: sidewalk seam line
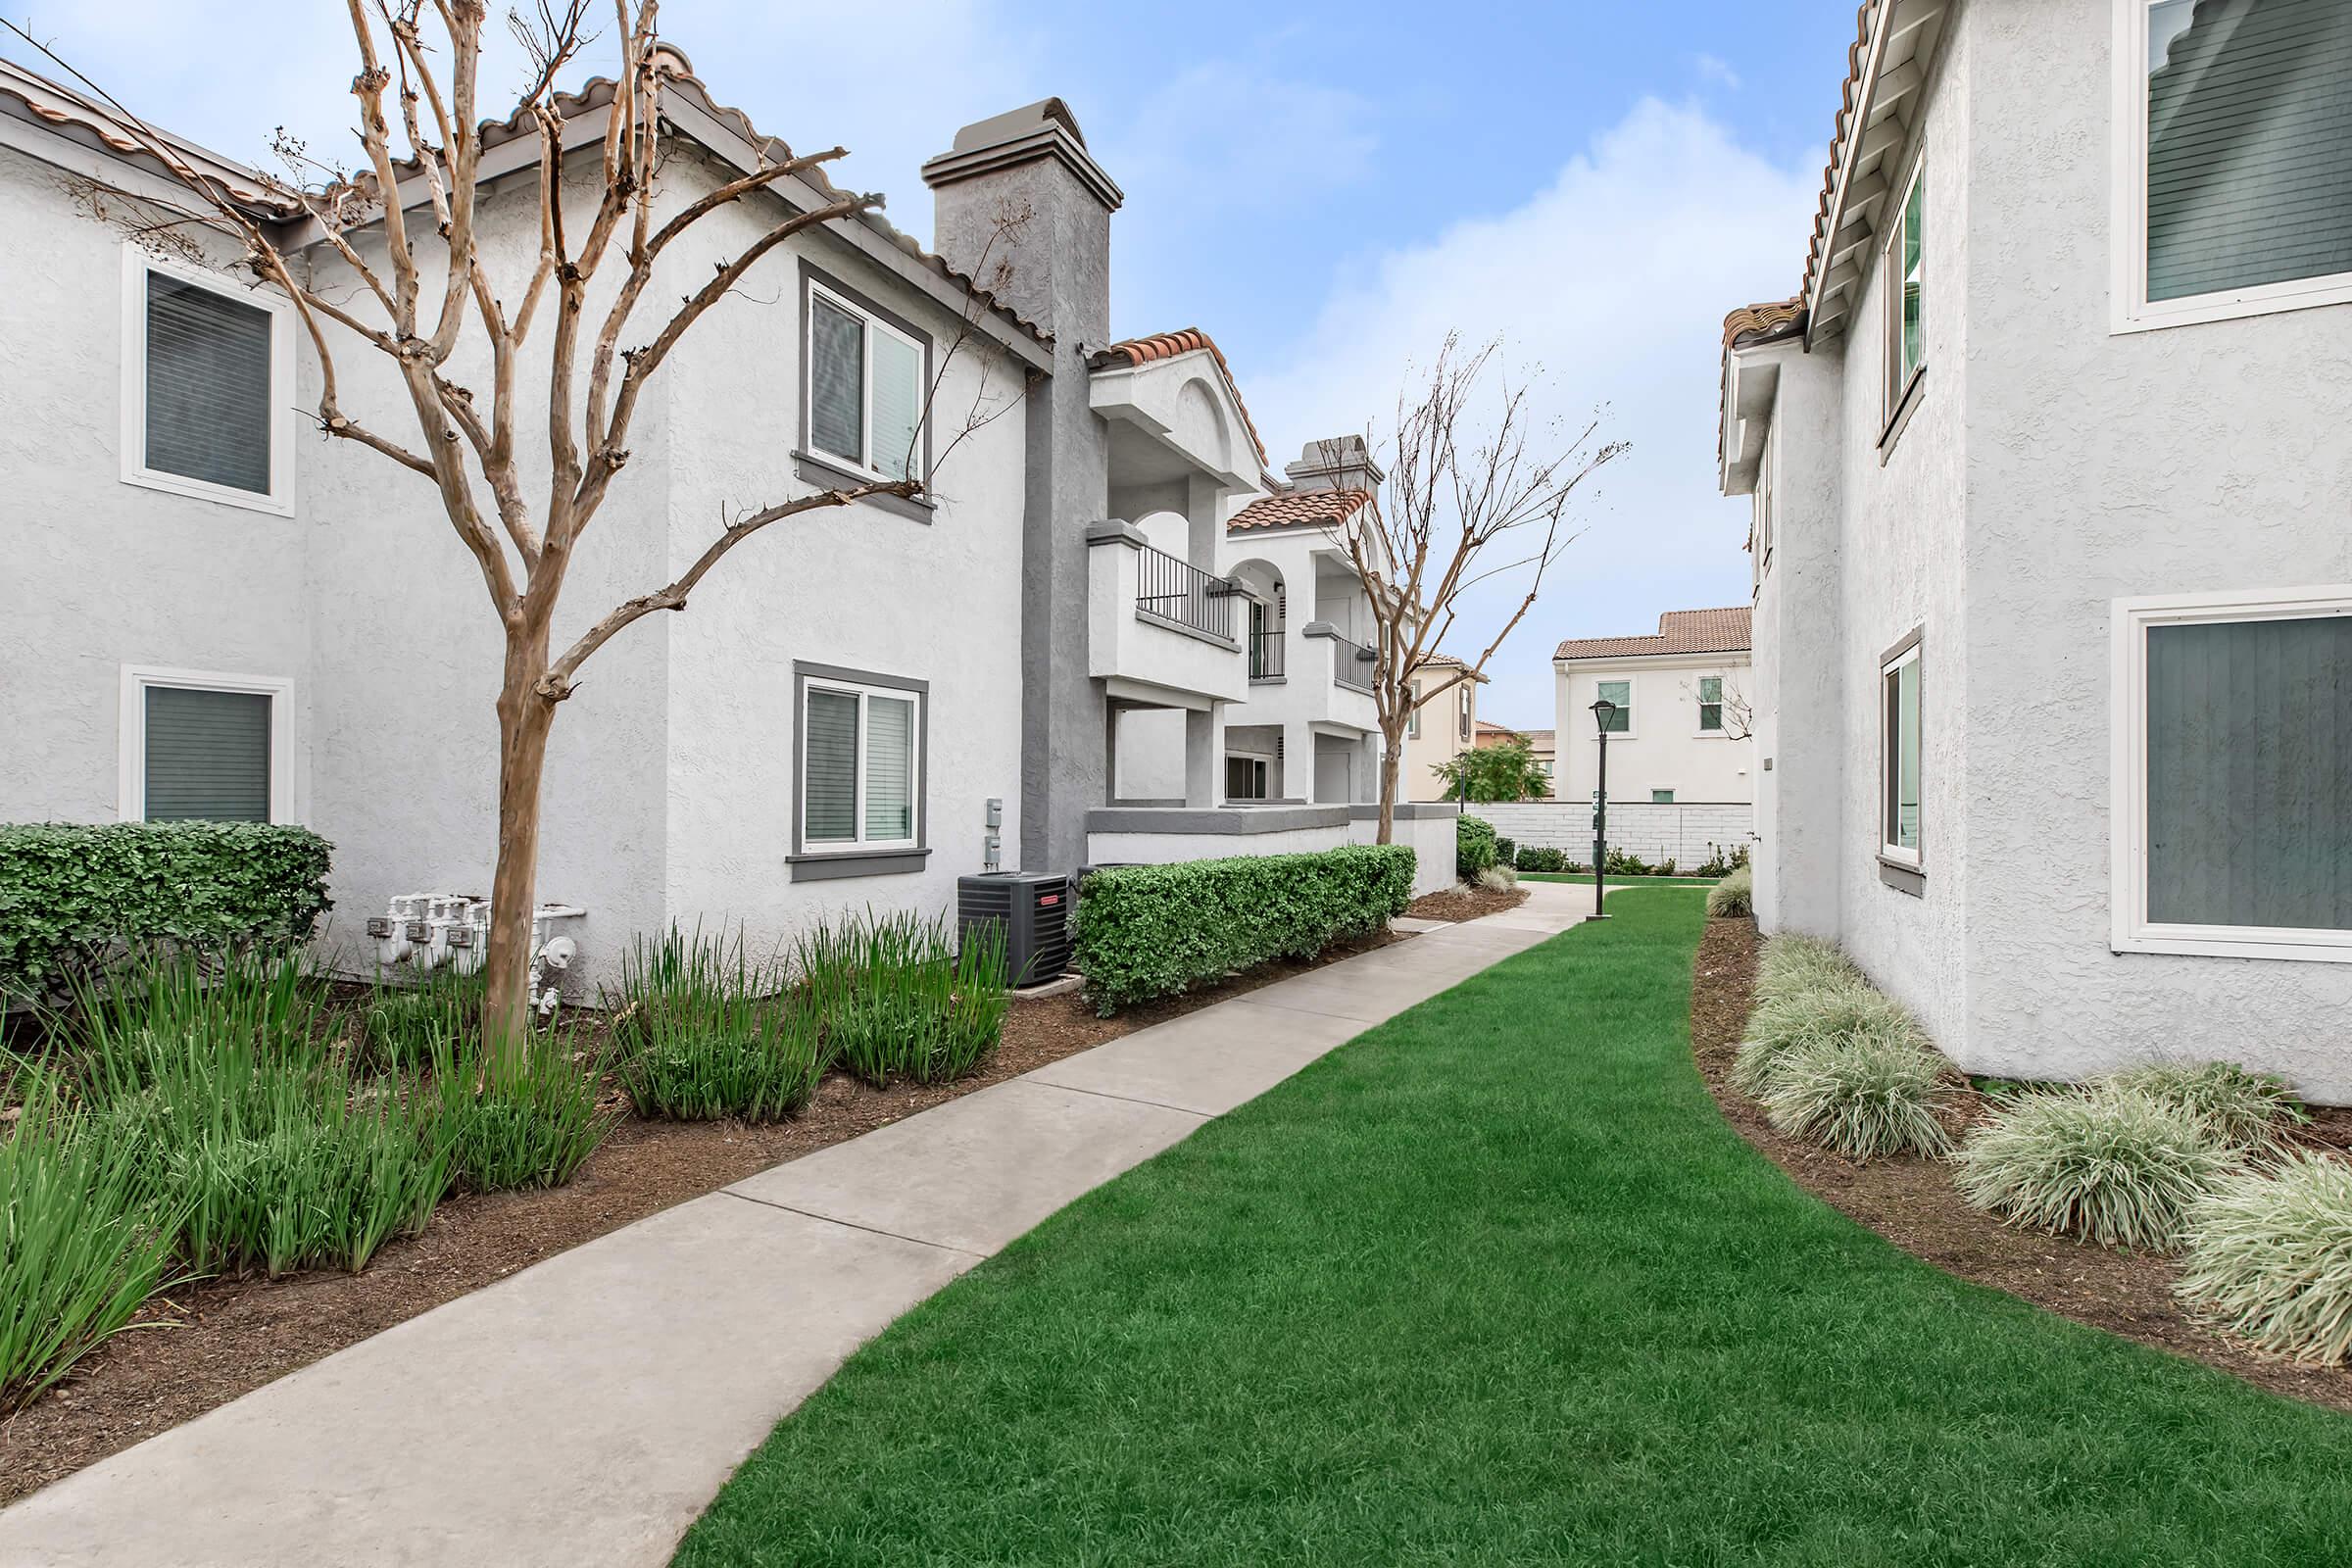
pixel 1132 1100
pixel 851 1224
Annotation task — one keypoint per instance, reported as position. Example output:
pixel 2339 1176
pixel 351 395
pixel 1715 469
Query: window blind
pixel 836 381
pixel 889 768
pixel 208 756
pixel 208 385
pixel 898 405
pixel 2250 147
pixel 2249 781
pixel 829 784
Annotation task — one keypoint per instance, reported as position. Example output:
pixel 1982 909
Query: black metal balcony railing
pixel 1352 664
pixel 1265 655
pixel 1179 591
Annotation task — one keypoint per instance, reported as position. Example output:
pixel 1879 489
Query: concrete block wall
pixel 1682 832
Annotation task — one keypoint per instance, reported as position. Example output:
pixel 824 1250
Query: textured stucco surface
pixel 2051 466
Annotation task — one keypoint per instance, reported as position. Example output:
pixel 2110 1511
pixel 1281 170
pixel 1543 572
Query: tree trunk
pixel 1389 761
pixel 524 718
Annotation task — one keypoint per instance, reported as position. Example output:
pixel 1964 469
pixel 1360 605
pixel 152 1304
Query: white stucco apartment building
pixel 2050 458
pixel 211 611
pixel 1678 725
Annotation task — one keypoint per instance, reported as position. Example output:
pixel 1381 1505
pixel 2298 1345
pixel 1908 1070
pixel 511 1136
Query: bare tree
pixel 1739 711
pixel 1462 503
pixel 424 291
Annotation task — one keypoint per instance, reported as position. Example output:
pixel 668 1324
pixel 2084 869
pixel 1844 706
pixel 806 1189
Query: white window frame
pixel 1898 393
pixel 1627 708
pixel 2130 931
pixel 130 745
pixel 1910 855
pixel 137 262
pixel 1699 707
pixel 864 692
pixel 863 464
pixel 1412 716
pixel 2127 229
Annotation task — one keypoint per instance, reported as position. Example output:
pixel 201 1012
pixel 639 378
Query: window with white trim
pixel 208 385
pixel 2232 774
pixel 1621 694
pixel 1245 777
pixel 1461 707
pixel 200 747
pixel 860 766
pixel 865 388
pixel 1899 754
pixel 1710 705
pixel 1904 268
pixel 2234 158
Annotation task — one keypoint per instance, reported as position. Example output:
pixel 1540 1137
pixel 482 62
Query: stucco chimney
pixel 1054 267
pixel 1336 463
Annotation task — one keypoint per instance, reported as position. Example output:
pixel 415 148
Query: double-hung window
pixel 208 385
pixel 198 746
pixel 1412 718
pixel 1710 705
pixel 2231 773
pixel 866 382
pixel 2232 158
pixel 1899 754
pixel 1621 694
pixel 1904 268
pixel 861 764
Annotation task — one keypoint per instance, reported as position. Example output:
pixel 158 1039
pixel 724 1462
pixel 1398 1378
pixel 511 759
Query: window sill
pixel 2274 299
pixel 834 864
pixel 1904 876
pixel 202 490
pixel 831 474
pixel 2249 946
pixel 1905 406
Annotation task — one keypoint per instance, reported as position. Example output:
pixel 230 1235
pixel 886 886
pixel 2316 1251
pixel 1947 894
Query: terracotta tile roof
pixel 1490 733
pixel 1538 740
pixel 1760 324
pixel 70 110
pixel 1286 508
pixel 1166 346
pixel 1680 631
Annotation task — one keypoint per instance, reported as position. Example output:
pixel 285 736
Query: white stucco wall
pixel 1664 748
pixel 1688 835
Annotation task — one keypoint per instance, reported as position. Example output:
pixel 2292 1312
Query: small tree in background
pixel 1506 770
pixel 1462 503
pixel 436 291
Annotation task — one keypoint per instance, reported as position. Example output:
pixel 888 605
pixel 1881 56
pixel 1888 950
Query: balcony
pixel 1267 658
pixel 1160 631
pixel 1341 677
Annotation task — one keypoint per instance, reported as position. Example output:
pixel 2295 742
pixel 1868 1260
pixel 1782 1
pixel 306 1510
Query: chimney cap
pixel 1336 463
pixel 1015 124
pixel 1034 131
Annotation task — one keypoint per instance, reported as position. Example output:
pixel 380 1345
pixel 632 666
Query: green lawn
pixel 1621 881
pixel 1495 1284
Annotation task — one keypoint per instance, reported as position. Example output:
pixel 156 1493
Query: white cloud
pixel 1718 71
pixel 1241 139
pixel 1615 279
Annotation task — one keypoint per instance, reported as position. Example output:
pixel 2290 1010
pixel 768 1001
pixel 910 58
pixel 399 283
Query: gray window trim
pixel 817 866
pixel 1908 876
pixel 813 467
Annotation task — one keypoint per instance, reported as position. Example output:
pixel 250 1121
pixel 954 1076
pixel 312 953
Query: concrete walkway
pixel 585 1412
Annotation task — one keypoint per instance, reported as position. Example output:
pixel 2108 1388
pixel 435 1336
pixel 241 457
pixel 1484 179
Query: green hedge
pixel 69 892
pixel 1535 858
pixel 1148 931
pixel 1474 848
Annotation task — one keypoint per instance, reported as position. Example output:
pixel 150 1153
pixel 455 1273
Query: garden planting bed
pixel 1912 1203
pixel 203 1344
pixel 1465 902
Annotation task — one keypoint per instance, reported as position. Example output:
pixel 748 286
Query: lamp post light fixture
pixel 1603 711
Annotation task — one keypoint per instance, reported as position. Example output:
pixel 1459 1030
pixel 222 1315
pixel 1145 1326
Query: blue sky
pixel 1327 189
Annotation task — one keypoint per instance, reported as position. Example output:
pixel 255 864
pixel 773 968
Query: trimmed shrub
pixel 531 1125
pixel 73 894
pixel 83 1241
pixel 701 1032
pixel 900 1001
pixel 1842 1010
pixel 1735 894
pixel 2103 1164
pixel 1149 931
pixel 1474 848
pixel 1506 851
pixel 2270 1254
pixel 1535 858
pixel 1720 862
pixel 2238 1107
pixel 1861 1095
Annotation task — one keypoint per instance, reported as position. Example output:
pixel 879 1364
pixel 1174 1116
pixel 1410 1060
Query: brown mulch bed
pixel 1912 1203
pixel 218 1338
pixel 1465 902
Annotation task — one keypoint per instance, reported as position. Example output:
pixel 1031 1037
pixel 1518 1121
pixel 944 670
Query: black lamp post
pixel 1602 711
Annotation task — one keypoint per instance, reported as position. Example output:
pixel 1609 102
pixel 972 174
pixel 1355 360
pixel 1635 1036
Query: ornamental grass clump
pixel 2101 1164
pixel 85 1238
pixel 401 1023
pixel 1795 963
pixel 2238 1107
pixel 900 999
pixel 701 1031
pixel 1845 1011
pixel 1862 1095
pixel 527 1123
pixel 2270 1255
pixel 1735 894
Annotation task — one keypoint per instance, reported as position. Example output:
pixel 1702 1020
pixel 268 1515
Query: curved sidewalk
pixel 585 1412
